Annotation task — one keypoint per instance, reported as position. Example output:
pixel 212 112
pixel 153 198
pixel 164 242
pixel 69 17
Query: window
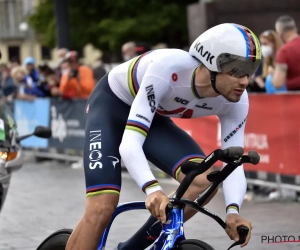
pixel 46 53
pixel 14 52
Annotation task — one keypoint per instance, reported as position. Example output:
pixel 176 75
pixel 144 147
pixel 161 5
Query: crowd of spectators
pixel 279 71
pixel 67 80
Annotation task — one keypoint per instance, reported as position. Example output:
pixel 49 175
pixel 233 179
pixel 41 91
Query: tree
pixel 108 24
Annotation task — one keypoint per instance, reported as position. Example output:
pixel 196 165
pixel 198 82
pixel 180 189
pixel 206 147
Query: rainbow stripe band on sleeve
pixel 233 206
pixel 102 189
pixel 150 184
pixel 137 127
pixel 133 84
pixel 177 167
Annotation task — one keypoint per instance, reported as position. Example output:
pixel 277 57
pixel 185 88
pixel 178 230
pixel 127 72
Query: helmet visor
pixel 237 66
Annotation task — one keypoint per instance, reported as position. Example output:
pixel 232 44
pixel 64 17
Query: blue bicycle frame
pixel 171 232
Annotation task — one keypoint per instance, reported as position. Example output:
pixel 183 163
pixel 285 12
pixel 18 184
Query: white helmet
pixel 228 48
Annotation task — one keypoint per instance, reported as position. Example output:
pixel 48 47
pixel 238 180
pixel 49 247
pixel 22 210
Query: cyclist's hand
pixel 156 203
pixel 232 222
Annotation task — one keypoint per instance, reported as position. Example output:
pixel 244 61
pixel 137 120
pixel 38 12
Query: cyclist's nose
pixel 244 81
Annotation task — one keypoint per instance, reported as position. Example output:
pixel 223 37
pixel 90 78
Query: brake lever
pixel 243 232
pixel 169 208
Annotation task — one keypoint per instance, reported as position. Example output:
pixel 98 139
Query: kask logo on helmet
pixel 199 48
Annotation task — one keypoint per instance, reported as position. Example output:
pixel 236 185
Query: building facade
pixel 17 39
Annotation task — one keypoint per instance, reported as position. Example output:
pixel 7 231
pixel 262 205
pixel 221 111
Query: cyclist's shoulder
pixel 164 63
pixel 173 57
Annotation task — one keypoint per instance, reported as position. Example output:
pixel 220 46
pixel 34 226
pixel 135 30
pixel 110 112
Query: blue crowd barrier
pixel 28 115
pixel 65 118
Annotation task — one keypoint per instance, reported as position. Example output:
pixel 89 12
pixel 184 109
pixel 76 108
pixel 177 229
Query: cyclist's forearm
pixel 234 188
pixel 136 163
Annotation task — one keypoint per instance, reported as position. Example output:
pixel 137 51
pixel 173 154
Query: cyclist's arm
pixel 152 90
pixel 233 123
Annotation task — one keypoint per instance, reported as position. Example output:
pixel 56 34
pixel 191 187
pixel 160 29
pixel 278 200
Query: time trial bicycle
pixel 172 235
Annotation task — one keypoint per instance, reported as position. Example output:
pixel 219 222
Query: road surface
pixel 47 196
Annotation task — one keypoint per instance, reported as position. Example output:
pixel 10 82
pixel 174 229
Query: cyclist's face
pixel 231 87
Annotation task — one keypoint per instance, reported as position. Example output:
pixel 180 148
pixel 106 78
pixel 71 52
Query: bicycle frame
pixel 172 230
pixel 120 209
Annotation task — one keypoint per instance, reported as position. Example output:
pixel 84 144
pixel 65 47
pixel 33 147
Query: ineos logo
pixel 95 155
pixel 95 149
pixel 151 97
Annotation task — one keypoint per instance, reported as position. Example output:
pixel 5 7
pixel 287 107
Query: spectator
pixel 287 69
pixel 6 82
pixel 79 81
pixel 44 71
pixel 65 66
pixel 270 44
pixel 98 70
pixel 32 71
pixel 61 53
pixel 14 62
pixel 256 81
pixel 25 86
pixel 129 51
pixel 53 83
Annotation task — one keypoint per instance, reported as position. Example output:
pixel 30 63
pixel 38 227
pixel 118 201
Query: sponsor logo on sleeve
pixel 151 97
pixel 95 149
pixel 143 117
pixel 235 130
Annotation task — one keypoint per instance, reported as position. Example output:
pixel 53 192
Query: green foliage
pixel 107 24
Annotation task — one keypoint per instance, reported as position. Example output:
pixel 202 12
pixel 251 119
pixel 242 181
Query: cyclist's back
pixel 169 73
pixel 126 78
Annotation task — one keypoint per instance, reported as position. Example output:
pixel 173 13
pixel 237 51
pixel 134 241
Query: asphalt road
pixel 44 197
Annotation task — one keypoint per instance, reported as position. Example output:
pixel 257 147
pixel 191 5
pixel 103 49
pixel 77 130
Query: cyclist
pixel 128 116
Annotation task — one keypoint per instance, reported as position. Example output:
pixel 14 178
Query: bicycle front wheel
pixel 56 241
pixel 193 245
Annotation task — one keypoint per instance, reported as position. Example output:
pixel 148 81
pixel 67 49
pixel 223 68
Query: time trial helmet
pixel 228 48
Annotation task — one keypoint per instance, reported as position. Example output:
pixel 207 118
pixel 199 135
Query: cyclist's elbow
pixel 130 148
pixel 125 149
